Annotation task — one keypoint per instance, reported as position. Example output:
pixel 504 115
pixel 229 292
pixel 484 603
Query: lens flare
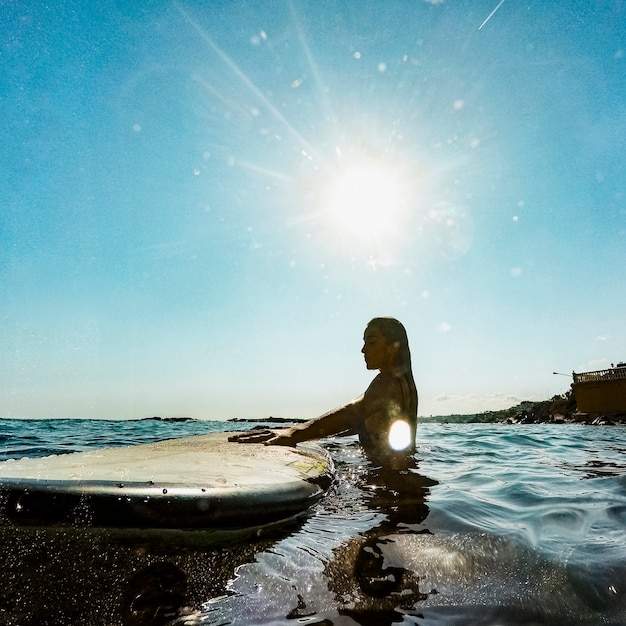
pixel 399 435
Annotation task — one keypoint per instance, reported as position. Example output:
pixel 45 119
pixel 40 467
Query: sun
pixel 365 198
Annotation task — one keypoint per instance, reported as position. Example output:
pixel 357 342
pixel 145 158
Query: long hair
pixel 393 331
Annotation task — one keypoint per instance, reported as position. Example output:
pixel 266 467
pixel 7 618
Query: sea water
pixel 496 524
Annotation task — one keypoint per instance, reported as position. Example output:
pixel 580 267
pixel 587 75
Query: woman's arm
pixel 380 401
pixel 343 419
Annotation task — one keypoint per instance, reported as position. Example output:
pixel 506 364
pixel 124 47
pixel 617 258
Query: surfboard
pixel 196 482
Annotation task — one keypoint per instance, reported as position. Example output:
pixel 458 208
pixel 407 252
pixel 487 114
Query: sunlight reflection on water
pixel 513 531
pixel 496 524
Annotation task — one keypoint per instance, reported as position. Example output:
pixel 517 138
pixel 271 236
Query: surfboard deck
pixel 196 482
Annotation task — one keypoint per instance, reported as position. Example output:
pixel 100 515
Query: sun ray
pixel 244 78
pixel 228 102
pixel 263 170
pixel 312 64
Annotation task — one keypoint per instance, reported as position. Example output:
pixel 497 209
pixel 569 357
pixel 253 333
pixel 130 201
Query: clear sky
pixel 203 203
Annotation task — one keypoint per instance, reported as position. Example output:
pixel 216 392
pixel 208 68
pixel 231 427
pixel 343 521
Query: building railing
pixel 616 373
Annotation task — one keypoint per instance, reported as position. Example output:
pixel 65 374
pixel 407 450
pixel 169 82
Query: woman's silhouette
pixel 384 417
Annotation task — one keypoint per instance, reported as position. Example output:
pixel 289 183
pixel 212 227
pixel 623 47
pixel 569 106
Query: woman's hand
pixel 254 436
pixel 282 438
pixel 268 437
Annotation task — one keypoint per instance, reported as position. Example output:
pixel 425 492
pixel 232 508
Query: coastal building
pixel 602 391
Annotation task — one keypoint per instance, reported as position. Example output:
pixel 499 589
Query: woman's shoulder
pixel 385 385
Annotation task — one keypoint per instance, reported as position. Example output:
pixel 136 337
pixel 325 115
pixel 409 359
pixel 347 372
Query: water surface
pixel 496 524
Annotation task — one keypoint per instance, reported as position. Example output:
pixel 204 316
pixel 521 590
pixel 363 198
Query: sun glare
pixel 364 198
pixel 399 435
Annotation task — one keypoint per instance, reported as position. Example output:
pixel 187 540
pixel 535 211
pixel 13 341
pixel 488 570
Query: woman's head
pixel 393 333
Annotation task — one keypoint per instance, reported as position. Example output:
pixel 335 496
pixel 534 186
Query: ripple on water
pixel 525 524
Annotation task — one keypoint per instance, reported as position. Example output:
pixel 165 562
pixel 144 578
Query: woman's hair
pixel 393 331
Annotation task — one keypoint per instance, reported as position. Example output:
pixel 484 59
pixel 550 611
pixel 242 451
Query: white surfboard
pixel 197 482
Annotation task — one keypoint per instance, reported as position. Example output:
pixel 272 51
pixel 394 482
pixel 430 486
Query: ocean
pixel 497 524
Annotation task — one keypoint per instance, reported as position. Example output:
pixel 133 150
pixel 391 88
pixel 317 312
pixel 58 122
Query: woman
pixel 384 417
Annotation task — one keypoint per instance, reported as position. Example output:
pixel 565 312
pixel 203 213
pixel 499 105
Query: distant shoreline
pixel 270 420
pixel 558 410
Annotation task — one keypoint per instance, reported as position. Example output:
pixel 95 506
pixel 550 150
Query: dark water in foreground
pixel 499 525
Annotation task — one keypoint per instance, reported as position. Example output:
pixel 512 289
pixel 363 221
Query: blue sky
pixel 203 203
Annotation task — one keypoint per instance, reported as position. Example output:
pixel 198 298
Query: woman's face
pixel 378 352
